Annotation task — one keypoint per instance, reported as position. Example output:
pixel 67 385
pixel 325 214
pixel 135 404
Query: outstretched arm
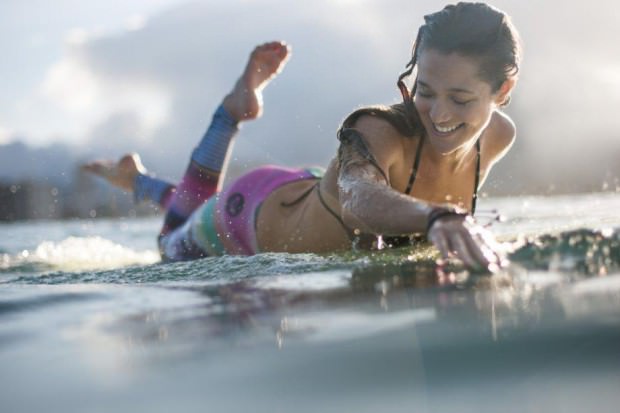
pixel 371 205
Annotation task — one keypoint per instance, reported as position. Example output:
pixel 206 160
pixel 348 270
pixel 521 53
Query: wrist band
pixel 438 213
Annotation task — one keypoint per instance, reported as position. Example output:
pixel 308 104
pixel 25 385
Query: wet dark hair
pixel 474 30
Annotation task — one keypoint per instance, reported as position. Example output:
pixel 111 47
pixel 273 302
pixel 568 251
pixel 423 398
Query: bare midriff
pixel 306 226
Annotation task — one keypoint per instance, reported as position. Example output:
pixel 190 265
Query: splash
pixel 76 254
pixel 584 251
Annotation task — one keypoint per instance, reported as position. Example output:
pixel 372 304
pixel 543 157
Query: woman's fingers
pixel 493 250
pixel 487 256
pixel 466 252
pixel 474 246
pixel 440 241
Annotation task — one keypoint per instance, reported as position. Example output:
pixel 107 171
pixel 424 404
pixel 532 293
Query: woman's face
pixel 454 104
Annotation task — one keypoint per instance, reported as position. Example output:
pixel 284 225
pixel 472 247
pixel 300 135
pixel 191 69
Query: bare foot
pixel 246 99
pixel 121 174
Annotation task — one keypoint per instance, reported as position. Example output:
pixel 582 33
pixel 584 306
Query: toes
pixel 126 161
pixel 88 167
pixel 284 50
pixel 131 162
pixel 101 168
pixel 267 47
pixel 275 46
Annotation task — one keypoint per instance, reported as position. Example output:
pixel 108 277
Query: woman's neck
pixel 454 161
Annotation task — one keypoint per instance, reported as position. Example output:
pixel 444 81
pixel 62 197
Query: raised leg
pixel 206 170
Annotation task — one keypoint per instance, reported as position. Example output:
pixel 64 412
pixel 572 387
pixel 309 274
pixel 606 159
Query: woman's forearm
pixel 379 209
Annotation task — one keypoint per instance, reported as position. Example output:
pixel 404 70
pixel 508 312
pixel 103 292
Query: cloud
pixel 83 98
pixel 72 87
pixel 152 84
pixel 79 36
pixel 32 42
pixel 5 135
pixel 191 53
pixel 135 22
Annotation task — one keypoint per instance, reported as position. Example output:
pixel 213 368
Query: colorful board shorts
pixel 232 214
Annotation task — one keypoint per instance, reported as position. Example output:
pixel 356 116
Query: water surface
pixel 90 321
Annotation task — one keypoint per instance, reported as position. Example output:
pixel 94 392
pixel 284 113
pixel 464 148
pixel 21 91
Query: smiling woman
pixel 453 104
pixel 385 180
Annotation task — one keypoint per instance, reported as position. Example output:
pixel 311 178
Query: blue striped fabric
pixel 212 149
pixel 150 188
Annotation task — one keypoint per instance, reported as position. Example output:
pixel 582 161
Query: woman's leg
pixel 129 174
pixel 200 181
pixel 202 177
pixel 148 188
pixel 206 169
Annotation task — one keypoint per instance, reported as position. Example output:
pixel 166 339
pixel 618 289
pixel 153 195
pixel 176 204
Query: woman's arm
pixel 369 204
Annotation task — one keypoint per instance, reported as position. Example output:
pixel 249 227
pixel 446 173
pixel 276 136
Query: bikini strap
pixel 477 180
pixel 349 232
pixel 416 164
pixel 301 197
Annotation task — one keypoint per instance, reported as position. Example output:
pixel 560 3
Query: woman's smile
pixel 446 130
pixel 454 104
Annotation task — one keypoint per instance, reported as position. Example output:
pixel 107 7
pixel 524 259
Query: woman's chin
pixel 449 143
pixel 445 145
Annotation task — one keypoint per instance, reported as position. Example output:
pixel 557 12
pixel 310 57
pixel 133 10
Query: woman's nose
pixel 439 112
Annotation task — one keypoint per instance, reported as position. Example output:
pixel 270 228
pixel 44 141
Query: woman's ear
pixel 503 94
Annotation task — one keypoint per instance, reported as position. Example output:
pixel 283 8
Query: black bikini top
pixel 416 164
pixel 349 136
pixel 353 138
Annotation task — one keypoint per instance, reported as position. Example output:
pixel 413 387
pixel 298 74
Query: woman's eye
pixel 424 95
pixel 461 102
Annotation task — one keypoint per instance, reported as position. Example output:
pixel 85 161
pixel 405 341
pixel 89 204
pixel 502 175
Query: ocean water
pixel 91 321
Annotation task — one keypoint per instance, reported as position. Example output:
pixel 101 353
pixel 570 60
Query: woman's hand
pixel 458 236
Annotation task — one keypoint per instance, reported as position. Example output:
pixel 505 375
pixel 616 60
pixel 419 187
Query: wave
pixel 211 269
pixel 75 254
pixel 97 260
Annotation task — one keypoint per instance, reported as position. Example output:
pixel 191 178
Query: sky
pixel 48 95
pixel 102 78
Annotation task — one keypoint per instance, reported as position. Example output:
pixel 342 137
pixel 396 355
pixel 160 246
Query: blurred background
pixel 97 79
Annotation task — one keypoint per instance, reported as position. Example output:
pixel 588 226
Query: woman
pixel 411 168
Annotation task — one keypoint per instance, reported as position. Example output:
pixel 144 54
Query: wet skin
pixel 456 109
pixel 450 94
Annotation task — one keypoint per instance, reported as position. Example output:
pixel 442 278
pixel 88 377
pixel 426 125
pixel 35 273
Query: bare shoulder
pixel 376 127
pixel 501 136
pixel 383 138
pixel 373 123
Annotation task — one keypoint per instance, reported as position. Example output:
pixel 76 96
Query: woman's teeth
pixel 442 129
